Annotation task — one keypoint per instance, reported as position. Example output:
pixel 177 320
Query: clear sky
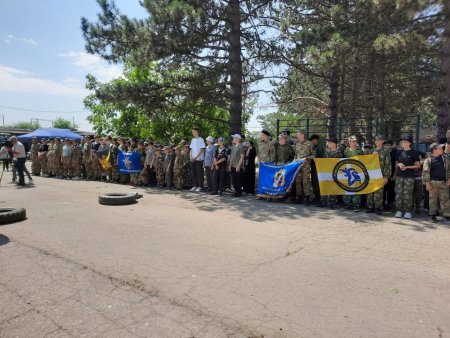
pixel 43 63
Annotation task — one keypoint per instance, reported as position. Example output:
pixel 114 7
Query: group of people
pixel 409 179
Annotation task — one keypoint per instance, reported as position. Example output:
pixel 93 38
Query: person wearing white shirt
pixel 197 157
pixel 18 151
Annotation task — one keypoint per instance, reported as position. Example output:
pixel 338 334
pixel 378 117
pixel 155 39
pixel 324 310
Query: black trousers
pixel 20 169
pixel 389 193
pixel 151 177
pixel 220 179
pixel 198 175
pixel 315 182
pixel 237 181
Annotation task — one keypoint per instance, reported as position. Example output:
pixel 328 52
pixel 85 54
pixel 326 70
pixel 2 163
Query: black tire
pixel 11 215
pixel 117 199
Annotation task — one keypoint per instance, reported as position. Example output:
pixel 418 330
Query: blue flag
pixel 276 180
pixel 129 163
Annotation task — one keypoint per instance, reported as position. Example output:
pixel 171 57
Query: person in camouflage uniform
pixel 375 199
pixel 34 150
pixel 352 201
pixel 304 149
pixel 57 165
pixel 436 176
pixel 93 159
pixel 285 152
pixel 332 151
pixel 124 178
pixel 159 167
pixel 43 150
pixel 187 171
pixel 87 147
pixel 168 166
pixel 178 169
pixel 76 160
pixel 266 149
pixel 319 151
pixel 50 155
pixel 115 160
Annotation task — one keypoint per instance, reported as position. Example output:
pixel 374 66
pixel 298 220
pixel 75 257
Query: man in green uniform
pixel 50 156
pixel 332 151
pixel 285 152
pixel 375 199
pixel 42 154
pixel 34 150
pixel 76 160
pixel 57 158
pixel 352 201
pixel 304 149
pixel 266 148
pixel 87 147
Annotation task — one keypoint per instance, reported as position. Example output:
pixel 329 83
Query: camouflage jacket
pixel 34 150
pixel 304 150
pixel 168 162
pixel 178 164
pixel 76 153
pixel 426 170
pixel 285 153
pixel 352 152
pixel 267 151
pixel 385 162
pixel 332 153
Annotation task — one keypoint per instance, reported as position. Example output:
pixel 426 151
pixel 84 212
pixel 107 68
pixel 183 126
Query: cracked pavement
pixel 191 265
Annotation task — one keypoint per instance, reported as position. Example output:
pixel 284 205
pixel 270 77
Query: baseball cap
pixel 265 132
pixel 236 136
pixel 379 137
pixel 408 138
pixel 352 138
pixel 333 140
pixel 210 139
pixel 221 139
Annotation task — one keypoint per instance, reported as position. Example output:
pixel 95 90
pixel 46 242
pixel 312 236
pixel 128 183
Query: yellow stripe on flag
pixel 358 175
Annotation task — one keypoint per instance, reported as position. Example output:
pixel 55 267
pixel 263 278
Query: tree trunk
pixel 235 67
pixel 334 102
pixel 444 89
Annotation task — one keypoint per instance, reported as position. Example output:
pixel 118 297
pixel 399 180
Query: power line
pixel 45 111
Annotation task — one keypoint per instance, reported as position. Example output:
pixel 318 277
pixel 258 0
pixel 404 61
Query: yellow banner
pixel 358 175
pixel 104 162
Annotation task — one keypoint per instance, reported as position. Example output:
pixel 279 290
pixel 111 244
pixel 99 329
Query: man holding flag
pixel 375 199
pixel 352 201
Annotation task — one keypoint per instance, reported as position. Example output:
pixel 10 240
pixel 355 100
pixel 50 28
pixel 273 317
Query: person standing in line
pixel 187 170
pixel 304 149
pixel 18 151
pixel 352 202
pixel 249 174
pixel 220 167
pixel 389 188
pixel 34 151
pixel 76 160
pixel 178 169
pixel 197 156
pixel 237 164
pixel 375 199
pixel 436 176
pixel 208 163
pixel 66 159
pixel 332 151
pixel 266 148
pixel 318 149
pixel 407 162
pixel 168 166
pixel 42 155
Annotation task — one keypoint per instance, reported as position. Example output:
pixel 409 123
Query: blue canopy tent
pixel 50 133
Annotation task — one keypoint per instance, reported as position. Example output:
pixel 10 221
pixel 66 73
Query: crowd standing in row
pixel 408 179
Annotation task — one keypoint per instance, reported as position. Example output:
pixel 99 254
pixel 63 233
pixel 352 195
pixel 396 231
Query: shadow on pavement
pixel 3 240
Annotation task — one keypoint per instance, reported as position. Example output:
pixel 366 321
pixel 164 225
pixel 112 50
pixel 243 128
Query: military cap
pixel 353 138
pixel 264 131
pixel 408 138
pixel 283 136
pixel 301 131
pixel 436 145
pixel 332 140
pixel 379 137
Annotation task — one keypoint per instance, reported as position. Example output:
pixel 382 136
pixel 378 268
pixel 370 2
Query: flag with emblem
pixel 358 175
pixel 276 180
pixel 129 162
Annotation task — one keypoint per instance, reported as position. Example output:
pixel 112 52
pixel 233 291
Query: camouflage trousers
pixel 115 173
pixel 76 167
pixel 67 166
pixel 35 165
pixel 88 167
pixel 439 197
pixel 418 193
pixel 50 165
pixel 303 180
pixel 404 190
pixel 144 177
pixel 329 200
pixel 352 200
pixel 43 163
pixel 95 167
pixel 375 199
pixel 178 179
pixel 160 177
pixel 56 165
pixel 169 178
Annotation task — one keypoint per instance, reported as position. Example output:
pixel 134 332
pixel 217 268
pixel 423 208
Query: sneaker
pixel 198 189
pixel 355 209
pixel 193 189
pixel 434 219
pixel 407 215
pixel 398 214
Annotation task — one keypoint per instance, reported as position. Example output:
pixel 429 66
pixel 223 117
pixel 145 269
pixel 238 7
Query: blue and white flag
pixel 129 163
pixel 276 180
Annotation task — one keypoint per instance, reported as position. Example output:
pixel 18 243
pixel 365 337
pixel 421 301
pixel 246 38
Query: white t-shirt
pixel 4 153
pixel 18 147
pixel 197 144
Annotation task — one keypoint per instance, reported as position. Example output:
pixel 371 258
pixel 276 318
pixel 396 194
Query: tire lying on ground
pixel 117 199
pixel 11 215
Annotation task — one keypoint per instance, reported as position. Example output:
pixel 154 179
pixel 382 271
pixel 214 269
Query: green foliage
pixel 25 125
pixel 62 123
